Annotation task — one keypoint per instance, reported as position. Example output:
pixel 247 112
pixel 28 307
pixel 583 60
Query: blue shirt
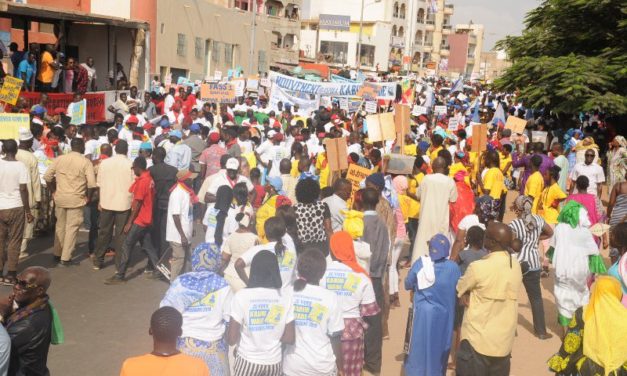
pixel 27 69
pixel 180 156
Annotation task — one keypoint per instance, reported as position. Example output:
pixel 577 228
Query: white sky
pixel 500 17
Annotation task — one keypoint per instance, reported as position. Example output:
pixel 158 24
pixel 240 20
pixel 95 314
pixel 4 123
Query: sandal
pixel 8 281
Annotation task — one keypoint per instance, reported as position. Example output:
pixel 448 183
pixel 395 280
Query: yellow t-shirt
pixel 504 161
pixel 493 183
pixel 549 196
pixel 46 72
pixel 415 182
pixel 434 154
pixel 323 166
pixel 455 168
pixel 148 365
pixel 473 158
pixel 410 150
pixel 294 171
pixel 409 207
pixel 534 188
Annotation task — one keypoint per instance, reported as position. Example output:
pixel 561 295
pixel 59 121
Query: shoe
pixel 544 336
pixel 110 252
pixel 57 259
pixel 115 280
pixel 154 275
pixel 148 270
pixel 69 263
pixel 96 265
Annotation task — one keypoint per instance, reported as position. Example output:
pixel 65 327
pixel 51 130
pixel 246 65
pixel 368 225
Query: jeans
pixel 373 339
pixel 531 281
pixel 471 363
pixel 94 216
pixel 136 234
pixel 106 235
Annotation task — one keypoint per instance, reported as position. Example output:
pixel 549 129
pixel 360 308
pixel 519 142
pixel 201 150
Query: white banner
pixel 386 90
pixel 306 106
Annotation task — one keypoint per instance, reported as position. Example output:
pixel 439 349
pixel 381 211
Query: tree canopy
pixel 571 56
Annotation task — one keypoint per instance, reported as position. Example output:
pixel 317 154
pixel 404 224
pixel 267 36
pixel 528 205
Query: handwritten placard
pixel 356 174
pixel 517 125
pixel 439 110
pixel 453 123
pixel 344 104
pixel 10 125
pixel 419 110
pixel 371 107
pixel 381 127
pixel 217 93
pixel 11 90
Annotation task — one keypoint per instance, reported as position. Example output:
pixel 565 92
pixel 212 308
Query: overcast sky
pixel 500 18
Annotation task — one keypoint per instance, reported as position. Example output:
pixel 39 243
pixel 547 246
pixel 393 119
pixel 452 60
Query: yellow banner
pixel 10 125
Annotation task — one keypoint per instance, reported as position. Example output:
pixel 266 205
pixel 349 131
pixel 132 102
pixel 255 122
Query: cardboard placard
pixel 462 97
pixel 401 164
pixel 356 174
pixel 217 93
pixel 439 110
pixel 252 83
pixel 10 125
pixel 517 125
pixel 539 136
pixel 217 75
pixel 453 123
pixel 419 110
pixel 371 107
pixel 265 82
pixel 401 119
pixel 337 153
pixel 381 127
pixel 11 90
pixel 78 112
pixel 344 104
pixel 239 85
pixel 479 138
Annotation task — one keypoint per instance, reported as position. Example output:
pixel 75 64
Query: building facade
pixel 198 38
pixel 492 65
pixel 465 46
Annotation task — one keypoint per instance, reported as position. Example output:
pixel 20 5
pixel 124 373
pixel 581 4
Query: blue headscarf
pixel 191 288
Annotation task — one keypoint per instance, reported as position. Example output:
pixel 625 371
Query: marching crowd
pixel 298 266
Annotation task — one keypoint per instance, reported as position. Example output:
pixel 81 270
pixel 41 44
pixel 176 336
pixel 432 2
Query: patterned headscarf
pixel 524 204
pixel 622 142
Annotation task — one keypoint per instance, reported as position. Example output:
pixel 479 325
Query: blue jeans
pixel 136 234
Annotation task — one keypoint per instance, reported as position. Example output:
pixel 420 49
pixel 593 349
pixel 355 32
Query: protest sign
pixel 306 106
pixel 453 123
pixel 479 138
pixel 10 124
pixel 419 110
pixel 540 136
pixel 217 93
pixel 354 105
pixel 168 80
pixel 356 174
pixel 439 110
pixel 401 119
pixel 95 109
pixel 517 125
pixel 252 84
pixel 182 81
pixel 344 104
pixel 367 93
pixel 239 85
pixel 462 97
pixel 381 127
pixel 386 90
pixel 11 90
pixel 217 75
pixel 265 82
pixel 401 164
pixel 78 112
pixel 337 153
pixel 371 107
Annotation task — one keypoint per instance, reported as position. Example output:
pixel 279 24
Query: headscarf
pixel 264 271
pixel 571 213
pixel 488 208
pixel 192 287
pixel 605 321
pixel 353 223
pixel 343 249
pixel 400 184
pixel 524 204
pixel 622 142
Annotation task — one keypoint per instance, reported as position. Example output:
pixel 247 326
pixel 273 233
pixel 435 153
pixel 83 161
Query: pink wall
pixel 458 44
pixel 76 5
pixel 146 10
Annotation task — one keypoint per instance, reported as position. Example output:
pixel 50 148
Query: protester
pixel 592 171
pixel 234 246
pixel 337 203
pixel 432 279
pixel 25 156
pixel 179 222
pixel 165 359
pixel 312 216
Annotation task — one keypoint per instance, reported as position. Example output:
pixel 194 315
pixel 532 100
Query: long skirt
pixel 214 354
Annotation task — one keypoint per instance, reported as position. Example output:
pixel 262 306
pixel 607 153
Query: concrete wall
pixel 113 8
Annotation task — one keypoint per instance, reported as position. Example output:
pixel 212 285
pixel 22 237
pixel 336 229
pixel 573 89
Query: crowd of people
pixel 270 252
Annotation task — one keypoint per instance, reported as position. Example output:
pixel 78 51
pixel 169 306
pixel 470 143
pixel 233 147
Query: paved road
pixel 105 324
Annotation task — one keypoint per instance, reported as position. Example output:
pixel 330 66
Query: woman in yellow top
pixel 548 207
pixel 458 165
pixel 535 183
pixel 436 146
pixel 506 160
pixel 492 186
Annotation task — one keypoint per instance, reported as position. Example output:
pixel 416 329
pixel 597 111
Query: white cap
pixel 271 133
pixel 232 164
pixel 25 134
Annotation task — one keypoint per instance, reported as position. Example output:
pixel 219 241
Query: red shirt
pixel 143 189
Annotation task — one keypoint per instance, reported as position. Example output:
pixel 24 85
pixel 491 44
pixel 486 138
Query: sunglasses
pixel 589 155
pixel 24 285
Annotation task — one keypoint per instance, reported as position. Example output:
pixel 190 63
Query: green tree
pixel 571 56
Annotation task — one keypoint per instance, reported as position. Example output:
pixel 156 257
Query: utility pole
pixel 251 55
pixel 361 30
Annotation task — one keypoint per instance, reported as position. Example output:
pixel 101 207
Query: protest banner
pixel 517 125
pixel 401 119
pixel 11 90
pixel 479 138
pixel 337 153
pixel 356 174
pixel 453 123
pixel 439 110
pixel 78 112
pixel 371 107
pixel 217 93
pixel 386 90
pixel 381 127
pixel 95 109
pixel 10 124
pixel 306 106
pixel 344 104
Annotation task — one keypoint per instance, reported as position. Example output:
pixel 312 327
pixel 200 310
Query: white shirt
pixel 174 118
pixel 141 120
pixel 179 204
pixel 353 289
pixel 204 320
pixel 221 179
pixel 167 103
pixel 593 172
pixel 275 154
pixel 12 174
pixel 263 314
pixel 317 315
pixel 287 263
pixel 92 147
pixel 354 148
pixel 133 149
pixel 245 146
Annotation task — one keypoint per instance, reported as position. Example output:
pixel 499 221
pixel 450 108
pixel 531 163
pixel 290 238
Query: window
pixel 198 48
pixel 228 54
pixel 395 14
pixel 367 55
pixel 215 51
pixel 402 12
pixel 180 45
pixel 263 65
pixel 334 52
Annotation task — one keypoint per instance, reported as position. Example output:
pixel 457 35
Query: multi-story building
pixel 398 34
pixel 465 46
pixel 492 65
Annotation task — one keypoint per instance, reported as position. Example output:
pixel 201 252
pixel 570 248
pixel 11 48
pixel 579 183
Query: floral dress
pixel 570 360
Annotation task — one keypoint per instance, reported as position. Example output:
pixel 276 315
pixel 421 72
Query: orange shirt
pixel 175 365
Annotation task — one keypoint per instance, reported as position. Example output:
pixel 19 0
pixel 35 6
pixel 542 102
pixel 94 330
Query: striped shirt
pixel 530 241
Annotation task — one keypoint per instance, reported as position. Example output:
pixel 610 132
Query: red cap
pixel 214 137
pixel 278 137
pixel 132 120
pixel 149 126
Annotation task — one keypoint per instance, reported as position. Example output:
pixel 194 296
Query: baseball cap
pixel 277 137
pixel 214 137
pixel 145 146
pixel 25 134
pixel 271 134
pixel 176 133
pixel 132 120
pixel 38 110
pixel 439 247
pixel 276 183
pixel 194 127
pixel 232 164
